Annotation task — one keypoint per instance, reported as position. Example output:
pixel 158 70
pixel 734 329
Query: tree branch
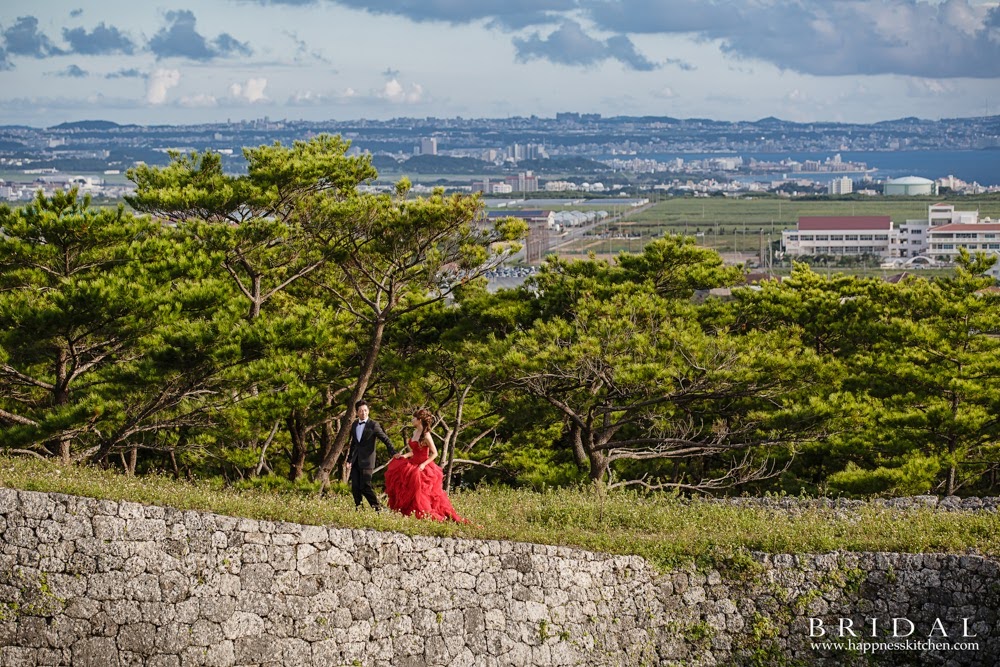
pixel 16 419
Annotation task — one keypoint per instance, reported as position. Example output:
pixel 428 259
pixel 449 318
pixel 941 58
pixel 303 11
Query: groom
pixel 361 455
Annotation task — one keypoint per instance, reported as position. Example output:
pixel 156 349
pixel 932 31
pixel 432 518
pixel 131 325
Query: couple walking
pixel 413 481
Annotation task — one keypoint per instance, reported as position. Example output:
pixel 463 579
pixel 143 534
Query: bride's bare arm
pixel 432 454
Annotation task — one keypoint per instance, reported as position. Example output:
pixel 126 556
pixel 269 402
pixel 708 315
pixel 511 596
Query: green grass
pixel 665 530
pixel 756 214
pixel 736 225
pixel 18 175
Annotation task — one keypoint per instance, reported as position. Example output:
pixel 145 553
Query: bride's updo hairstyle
pixel 425 418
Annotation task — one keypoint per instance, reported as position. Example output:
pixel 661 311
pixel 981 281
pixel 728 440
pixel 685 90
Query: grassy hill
pixel 666 530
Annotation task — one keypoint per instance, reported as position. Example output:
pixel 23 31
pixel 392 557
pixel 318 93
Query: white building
pixel 841 235
pixel 913 238
pixel 841 186
pixel 565 219
pixel 944 242
pixel 429 146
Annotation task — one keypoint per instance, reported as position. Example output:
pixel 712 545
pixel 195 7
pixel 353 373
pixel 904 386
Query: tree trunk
pixel 60 396
pixel 597 458
pixel 327 431
pixel 256 299
pixel 576 442
pixel 298 456
pixel 130 461
pixel 453 438
pixel 64 448
pixel 173 462
pixel 360 387
pixel 449 458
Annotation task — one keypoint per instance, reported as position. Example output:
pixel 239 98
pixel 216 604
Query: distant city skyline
pixel 805 60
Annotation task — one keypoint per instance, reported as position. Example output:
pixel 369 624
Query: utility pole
pixel 761 252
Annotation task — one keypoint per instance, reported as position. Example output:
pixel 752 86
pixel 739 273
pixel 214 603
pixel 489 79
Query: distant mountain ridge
pixel 86 125
pixel 669 120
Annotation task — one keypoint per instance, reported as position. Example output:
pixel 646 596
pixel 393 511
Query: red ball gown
pixel 415 492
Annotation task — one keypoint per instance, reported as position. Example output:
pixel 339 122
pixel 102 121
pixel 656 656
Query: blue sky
pixel 170 61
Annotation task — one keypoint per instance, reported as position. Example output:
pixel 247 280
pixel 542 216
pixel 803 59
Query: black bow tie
pixel 362 423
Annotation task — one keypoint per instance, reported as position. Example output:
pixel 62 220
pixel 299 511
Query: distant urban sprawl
pixel 571 152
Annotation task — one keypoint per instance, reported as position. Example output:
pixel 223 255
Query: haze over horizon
pixel 178 62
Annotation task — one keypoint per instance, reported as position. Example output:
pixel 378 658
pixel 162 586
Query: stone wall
pixel 795 503
pixel 90 582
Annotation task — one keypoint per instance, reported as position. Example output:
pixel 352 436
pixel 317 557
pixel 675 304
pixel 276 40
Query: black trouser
pixel 361 486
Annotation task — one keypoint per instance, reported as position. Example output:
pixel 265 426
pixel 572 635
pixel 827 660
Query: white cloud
pixel 251 91
pixel 202 100
pixel 306 97
pixel 159 82
pixel 666 92
pixel 920 87
pixel 396 93
pixel 313 98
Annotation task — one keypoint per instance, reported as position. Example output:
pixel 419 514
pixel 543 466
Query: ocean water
pixel 981 166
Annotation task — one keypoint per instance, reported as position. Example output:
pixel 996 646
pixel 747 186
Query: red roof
pixel 958 227
pixel 846 222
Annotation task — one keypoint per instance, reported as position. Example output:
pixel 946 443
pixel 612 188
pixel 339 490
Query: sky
pixel 180 61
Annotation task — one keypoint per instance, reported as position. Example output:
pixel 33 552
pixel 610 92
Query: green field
pixel 18 176
pixel 739 225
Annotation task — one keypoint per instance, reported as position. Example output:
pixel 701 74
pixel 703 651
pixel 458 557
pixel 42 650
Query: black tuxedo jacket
pixel 362 453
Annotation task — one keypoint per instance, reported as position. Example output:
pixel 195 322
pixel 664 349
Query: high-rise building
pixel 841 186
pixel 429 146
pixel 516 152
pixel 525 181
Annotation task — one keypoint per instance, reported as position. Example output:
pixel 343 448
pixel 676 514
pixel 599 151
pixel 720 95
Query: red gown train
pixel 415 492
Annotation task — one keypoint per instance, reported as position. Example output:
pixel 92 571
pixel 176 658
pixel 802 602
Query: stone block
pixel 243 624
pixel 109 528
pixel 18 656
pixel 138 638
pixel 145 530
pixel 257 650
pixel 257 577
pixel 95 652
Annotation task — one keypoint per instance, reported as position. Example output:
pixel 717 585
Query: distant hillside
pixel 385 163
pixel 445 164
pixel 86 125
pixel 563 164
pixel 433 164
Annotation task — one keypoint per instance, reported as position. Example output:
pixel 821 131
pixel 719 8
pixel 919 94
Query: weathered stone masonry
pixel 90 582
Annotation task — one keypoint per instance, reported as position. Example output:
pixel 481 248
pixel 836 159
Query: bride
pixel 413 482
